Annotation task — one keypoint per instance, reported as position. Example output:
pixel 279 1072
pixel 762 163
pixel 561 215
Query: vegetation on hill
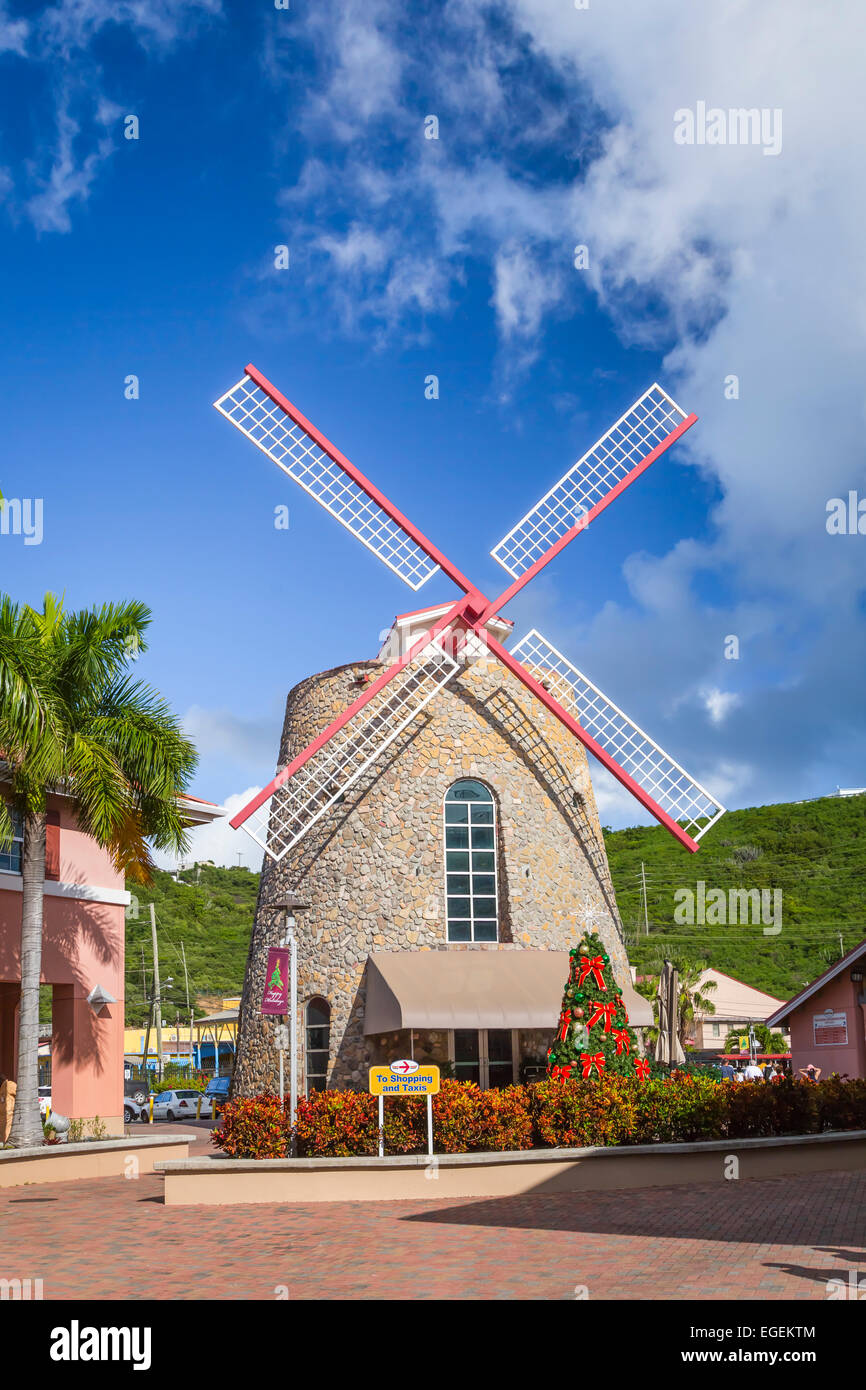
pixel 211 911
pixel 815 853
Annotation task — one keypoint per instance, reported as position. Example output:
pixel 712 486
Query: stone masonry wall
pixel 373 867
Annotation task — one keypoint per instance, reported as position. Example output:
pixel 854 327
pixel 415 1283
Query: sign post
pixel 281 1041
pixel 405 1077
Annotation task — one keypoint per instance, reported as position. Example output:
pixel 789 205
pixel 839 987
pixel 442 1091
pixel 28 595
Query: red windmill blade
pixel 300 794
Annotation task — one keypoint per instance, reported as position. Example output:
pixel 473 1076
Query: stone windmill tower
pixel 433 807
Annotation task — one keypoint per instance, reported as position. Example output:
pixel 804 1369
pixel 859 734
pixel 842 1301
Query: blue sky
pixel 261 127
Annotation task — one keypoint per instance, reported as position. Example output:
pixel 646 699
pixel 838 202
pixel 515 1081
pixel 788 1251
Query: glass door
pixel 485 1056
pixel 467 1055
pixel 500 1057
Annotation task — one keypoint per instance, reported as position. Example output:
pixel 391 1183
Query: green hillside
pixel 211 911
pixel 814 853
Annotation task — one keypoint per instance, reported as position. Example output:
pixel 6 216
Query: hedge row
pixel 559 1114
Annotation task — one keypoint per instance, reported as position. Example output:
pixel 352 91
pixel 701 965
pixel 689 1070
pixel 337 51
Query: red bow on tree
pixel 564 1024
pixel 561 1073
pixel 605 1011
pixel 623 1041
pixel 642 1068
pixel 590 1060
pixel 592 966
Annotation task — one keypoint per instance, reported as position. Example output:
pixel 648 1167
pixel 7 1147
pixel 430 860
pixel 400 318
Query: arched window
pixel 470 863
pixel 318 1038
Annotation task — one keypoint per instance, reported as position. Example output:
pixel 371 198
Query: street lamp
pixel 291 904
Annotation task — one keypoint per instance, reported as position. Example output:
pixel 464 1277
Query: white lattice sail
pixel 293 450
pixel 669 785
pixel 302 799
pixel 643 428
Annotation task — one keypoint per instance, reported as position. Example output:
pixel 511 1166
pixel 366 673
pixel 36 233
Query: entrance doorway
pixel 487 1056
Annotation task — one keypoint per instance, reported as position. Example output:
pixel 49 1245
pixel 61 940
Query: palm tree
pixel 73 720
pixel 691 999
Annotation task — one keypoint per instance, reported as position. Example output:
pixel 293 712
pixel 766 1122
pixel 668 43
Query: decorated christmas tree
pixel 592 1036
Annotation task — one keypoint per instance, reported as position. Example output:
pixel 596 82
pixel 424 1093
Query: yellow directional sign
pixel 404 1078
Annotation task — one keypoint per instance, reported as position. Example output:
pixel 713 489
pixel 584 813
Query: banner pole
pixel 429 1125
pixel 381 1126
pixel 293 1053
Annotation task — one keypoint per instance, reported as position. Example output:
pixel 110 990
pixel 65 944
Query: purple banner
pixel 276 996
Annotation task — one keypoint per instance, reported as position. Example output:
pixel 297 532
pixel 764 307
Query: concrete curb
pixel 220 1180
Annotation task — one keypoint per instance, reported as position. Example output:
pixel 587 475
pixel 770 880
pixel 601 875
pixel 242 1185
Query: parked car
pixel 133 1111
pixel 44 1100
pixel 175 1105
pixel 135 1090
pixel 216 1094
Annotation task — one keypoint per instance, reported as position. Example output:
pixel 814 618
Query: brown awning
pixel 472 989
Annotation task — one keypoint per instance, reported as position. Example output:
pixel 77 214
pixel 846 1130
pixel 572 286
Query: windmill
pixel 284 811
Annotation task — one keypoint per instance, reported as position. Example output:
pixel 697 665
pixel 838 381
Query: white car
pixel 44 1100
pixel 175 1105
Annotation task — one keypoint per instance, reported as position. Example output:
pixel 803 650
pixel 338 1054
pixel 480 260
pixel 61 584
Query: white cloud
pixel 60 43
pixel 219 842
pixel 219 734
pixel 13 33
pixel 718 703
pixel 523 293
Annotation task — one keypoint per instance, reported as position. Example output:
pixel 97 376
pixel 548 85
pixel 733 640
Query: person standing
pixel 753 1072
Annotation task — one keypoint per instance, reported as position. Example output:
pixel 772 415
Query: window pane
pixel 483 885
pixel 318 1012
pixel 458 907
pixel 458 883
pixel 457 839
pixel 318 1037
pixel 455 813
pixel 457 862
pixel 485 907
pixel 482 860
pixel 485 931
pixel 482 815
pixel 466 1045
pixel 499 1045
pixel 459 931
pixel 468 791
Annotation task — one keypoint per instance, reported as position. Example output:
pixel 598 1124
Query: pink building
pixel 827 1019
pixel 83 951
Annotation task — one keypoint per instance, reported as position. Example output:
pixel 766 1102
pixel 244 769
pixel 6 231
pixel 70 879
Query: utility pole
pixel 645 910
pixel 188 1009
pixel 157 1002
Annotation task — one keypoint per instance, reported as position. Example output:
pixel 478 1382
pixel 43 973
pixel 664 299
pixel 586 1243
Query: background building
pixel 827 1019
pixel 736 1004
pixel 82 948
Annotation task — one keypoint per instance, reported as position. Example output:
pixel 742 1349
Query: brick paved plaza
pixel 772 1239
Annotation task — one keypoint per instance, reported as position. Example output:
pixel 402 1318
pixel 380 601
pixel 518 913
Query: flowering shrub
pixel 549 1114
pixel 257 1127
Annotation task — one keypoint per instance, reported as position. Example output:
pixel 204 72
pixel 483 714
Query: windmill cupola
pixel 407 628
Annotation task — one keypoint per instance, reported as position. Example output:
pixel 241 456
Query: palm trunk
pixel 27 1122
